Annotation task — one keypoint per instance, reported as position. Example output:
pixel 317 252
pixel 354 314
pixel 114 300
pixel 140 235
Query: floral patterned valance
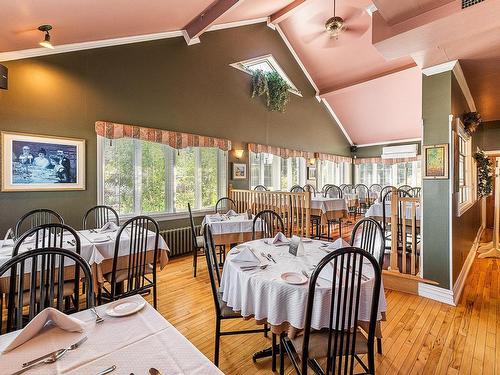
pixel 173 139
pixel 279 151
pixel 385 161
pixel 334 158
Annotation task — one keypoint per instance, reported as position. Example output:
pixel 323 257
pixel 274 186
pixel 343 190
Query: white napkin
pixel 108 227
pixel 246 257
pixel 231 213
pixel 279 240
pixel 300 245
pixel 48 316
pixel 339 243
pixel 7 236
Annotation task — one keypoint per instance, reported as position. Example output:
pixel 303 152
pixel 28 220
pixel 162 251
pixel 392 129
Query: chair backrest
pixel 415 192
pixel 142 233
pixel 260 188
pixel 297 189
pixel 333 191
pixel 212 266
pixel 405 187
pixel 347 189
pixel 386 209
pixel 375 189
pixel 363 192
pixel 97 216
pixel 368 235
pixel 383 192
pixel 191 223
pixel 266 224
pixel 49 235
pixel 348 265
pixel 225 204
pixel 35 218
pixel 311 189
pixel 35 282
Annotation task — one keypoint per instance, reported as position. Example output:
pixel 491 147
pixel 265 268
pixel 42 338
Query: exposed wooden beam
pixel 201 22
pixel 285 12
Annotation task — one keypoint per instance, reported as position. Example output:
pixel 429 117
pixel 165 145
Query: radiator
pixel 179 240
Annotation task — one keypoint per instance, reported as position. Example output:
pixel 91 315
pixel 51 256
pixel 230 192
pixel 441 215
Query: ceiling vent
pixel 396 152
pixel 469 3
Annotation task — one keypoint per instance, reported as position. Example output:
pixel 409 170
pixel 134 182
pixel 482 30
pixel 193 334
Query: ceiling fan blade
pixel 356 30
pixel 349 14
pixel 307 39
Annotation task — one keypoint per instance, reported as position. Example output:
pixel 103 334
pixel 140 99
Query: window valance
pixel 173 139
pixel 379 160
pixel 334 158
pixel 279 151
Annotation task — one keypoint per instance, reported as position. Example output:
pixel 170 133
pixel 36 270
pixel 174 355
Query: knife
pixel 55 352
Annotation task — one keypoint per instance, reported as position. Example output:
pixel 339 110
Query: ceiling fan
pixel 336 24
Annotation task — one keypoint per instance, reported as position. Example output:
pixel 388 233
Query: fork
pixel 98 318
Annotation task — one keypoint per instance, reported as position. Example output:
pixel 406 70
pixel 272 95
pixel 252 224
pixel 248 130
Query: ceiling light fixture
pixel 335 25
pixel 46 40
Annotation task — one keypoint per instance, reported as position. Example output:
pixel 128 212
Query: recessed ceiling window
pixel 267 64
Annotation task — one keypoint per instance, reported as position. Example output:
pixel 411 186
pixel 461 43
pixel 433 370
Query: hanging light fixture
pixel 46 40
pixel 335 25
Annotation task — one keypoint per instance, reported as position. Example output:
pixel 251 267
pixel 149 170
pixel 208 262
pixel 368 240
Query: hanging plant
pixel 484 174
pixel 274 87
pixel 471 121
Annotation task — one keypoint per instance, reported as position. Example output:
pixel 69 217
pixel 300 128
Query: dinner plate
pixel 124 308
pixel 293 278
pixel 306 239
pixel 100 239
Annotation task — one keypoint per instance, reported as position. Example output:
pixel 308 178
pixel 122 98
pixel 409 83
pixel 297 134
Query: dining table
pixel 328 208
pixel 265 296
pixel 376 211
pixel 132 343
pixel 97 248
pixel 233 228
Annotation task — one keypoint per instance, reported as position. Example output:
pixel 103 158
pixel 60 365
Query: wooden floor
pixel 421 336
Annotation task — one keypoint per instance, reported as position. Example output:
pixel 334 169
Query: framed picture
pixel 436 161
pixel 42 163
pixel 311 173
pixel 239 171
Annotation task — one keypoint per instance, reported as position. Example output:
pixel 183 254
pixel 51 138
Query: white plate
pixel 293 278
pixel 99 239
pixel 306 239
pixel 124 308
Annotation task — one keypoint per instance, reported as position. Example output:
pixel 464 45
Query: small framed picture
pixel 42 163
pixel 239 171
pixel 311 173
pixel 436 161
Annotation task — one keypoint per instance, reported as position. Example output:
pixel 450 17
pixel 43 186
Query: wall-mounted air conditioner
pixel 403 151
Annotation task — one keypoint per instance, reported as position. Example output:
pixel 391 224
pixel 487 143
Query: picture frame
pixel 436 161
pixel 311 173
pixel 32 162
pixel 239 171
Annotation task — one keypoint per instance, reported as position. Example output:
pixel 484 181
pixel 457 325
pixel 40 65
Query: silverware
pixel 265 256
pixel 153 371
pixel 55 355
pixel 107 371
pixel 52 357
pixel 271 257
pixel 98 318
pixel 263 267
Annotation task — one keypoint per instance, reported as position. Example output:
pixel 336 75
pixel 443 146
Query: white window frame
pixel 170 201
pixel 469 172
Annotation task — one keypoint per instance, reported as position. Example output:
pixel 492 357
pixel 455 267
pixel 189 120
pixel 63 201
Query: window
pixel 267 64
pixel 152 178
pixel 389 174
pixel 465 170
pixel 276 173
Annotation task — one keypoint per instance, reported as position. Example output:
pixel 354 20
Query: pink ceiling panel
pixel 337 63
pixel 382 110
pixel 86 20
pixel 251 9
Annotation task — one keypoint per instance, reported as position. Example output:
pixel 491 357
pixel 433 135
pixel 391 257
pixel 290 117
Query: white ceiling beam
pixel 285 12
pixel 202 21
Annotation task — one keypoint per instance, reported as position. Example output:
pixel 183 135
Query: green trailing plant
pixel 484 174
pixel 274 87
pixel 471 121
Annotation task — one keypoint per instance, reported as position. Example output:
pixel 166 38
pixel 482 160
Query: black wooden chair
pixel 386 215
pixel 406 188
pixel 260 188
pixel 384 191
pixel 97 216
pixel 198 242
pixel 375 189
pixel 343 341
pixel 415 192
pixel 311 189
pixel 222 311
pixel 35 282
pixel 48 235
pixel 363 194
pixel 139 274
pixel 35 218
pixel 225 204
pixel 297 189
pixel 333 191
pixel 270 224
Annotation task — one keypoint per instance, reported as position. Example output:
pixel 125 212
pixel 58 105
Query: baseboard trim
pixel 458 287
pixel 436 293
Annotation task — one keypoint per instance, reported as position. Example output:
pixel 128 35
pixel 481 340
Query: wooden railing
pixel 405 235
pixel 294 208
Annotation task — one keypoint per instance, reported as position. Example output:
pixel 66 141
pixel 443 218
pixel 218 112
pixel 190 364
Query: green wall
pixel 162 84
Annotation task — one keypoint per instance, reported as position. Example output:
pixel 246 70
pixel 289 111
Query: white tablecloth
pixel 326 204
pixel 265 296
pixel 376 210
pixel 222 224
pixel 134 344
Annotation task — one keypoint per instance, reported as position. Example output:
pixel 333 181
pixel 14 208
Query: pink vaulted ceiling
pixel 381 110
pixel 251 9
pixel 334 64
pixel 81 21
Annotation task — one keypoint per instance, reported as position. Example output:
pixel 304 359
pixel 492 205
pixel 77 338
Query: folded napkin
pixel 231 213
pixel 108 227
pixel 246 257
pixel 338 244
pixel 216 217
pixel 46 317
pixel 279 240
pixel 296 246
pixel 8 235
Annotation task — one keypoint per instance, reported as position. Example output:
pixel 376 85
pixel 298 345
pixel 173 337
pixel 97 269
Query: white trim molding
pixel 441 68
pixel 337 120
pixel 406 140
pixel 436 293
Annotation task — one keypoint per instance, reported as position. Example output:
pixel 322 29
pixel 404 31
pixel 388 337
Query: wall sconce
pixel 312 161
pixel 238 154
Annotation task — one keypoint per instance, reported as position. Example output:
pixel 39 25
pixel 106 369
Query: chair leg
pixel 379 345
pixel 266 329
pixel 195 260
pixel 282 356
pixel 217 342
